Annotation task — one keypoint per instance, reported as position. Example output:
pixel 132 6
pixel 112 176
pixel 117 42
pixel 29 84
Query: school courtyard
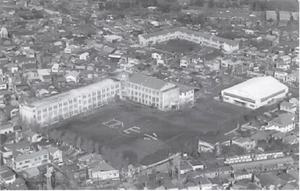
pixel 130 126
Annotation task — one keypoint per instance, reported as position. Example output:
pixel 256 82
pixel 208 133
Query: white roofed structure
pixel 255 92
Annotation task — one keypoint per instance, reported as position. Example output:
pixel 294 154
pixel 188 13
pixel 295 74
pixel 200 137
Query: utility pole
pixel 49 175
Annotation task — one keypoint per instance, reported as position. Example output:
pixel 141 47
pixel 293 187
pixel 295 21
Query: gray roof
pixel 148 81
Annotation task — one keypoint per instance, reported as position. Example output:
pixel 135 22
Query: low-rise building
pixel 6 128
pixel 283 123
pixel 245 143
pixel 103 171
pixel 242 176
pixel 288 107
pixel 7 175
pixel 72 76
pixel 25 161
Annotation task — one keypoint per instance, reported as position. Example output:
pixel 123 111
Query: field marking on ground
pixel 113 123
pixel 172 138
pixel 134 129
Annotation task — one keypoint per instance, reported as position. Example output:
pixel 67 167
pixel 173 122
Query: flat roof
pixel 191 32
pixel 72 93
pixel 257 88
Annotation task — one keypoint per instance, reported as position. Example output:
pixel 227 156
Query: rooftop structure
pixel 255 92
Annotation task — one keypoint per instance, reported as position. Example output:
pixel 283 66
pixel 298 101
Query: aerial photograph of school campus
pixel 149 94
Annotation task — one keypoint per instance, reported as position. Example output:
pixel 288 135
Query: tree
pixel 78 142
pixel 131 156
pixel 97 147
pixel 263 144
pixel 84 145
pixel 3 138
pixel 211 3
pixel 90 146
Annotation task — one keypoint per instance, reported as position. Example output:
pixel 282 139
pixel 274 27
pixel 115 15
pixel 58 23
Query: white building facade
pixel 189 35
pixel 255 93
pixel 67 104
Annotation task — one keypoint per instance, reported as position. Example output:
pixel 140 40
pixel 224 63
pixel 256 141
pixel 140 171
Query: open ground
pixel 166 127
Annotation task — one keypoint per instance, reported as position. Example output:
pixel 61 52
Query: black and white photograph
pixel 149 94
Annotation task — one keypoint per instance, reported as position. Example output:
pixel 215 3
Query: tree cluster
pixel 115 158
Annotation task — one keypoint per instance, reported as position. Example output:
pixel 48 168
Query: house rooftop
pixel 286 104
pixel 283 119
pixel 23 157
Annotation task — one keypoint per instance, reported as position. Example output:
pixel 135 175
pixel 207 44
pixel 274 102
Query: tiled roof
pixel 282 120
pixel 286 104
pixel 148 81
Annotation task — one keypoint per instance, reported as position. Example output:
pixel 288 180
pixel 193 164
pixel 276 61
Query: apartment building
pixel 153 92
pixel 25 161
pixel 189 35
pixel 67 104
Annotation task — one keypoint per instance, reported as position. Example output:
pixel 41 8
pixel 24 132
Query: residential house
pixel 278 135
pixel 186 95
pixel 30 136
pixel 293 77
pixel 28 67
pixel 242 175
pixel 70 49
pixel 295 60
pixel 11 111
pixel 156 56
pixel 245 143
pixel 268 181
pixel 72 76
pixel 290 139
pixel 280 75
pixel 185 61
pixel 25 161
pixel 290 186
pixel 103 171
pixel 6 128
pixel 7 175
pixel 55 155
pixel 84 56
pixel 21 147
pixel 205 183
pixel 205 146
pixel 12 67
pixel 170 186
pixel 287 178
pixel 225 171
pixel 184 168
pixel 283 123
pixel 288 107
pixel 283 66
pixel 286 59
pixel 191 186
pixel 196 165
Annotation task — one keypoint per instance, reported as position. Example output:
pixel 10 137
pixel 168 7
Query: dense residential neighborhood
pixel 149 94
